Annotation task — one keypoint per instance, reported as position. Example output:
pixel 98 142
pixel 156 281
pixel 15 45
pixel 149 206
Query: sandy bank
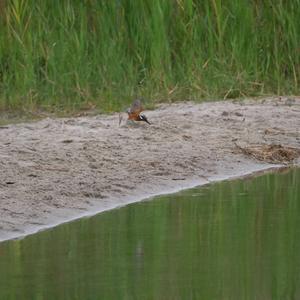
pixel 55 170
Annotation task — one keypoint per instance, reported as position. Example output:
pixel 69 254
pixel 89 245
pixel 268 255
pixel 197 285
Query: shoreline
pixel 193 184
pixel 58 170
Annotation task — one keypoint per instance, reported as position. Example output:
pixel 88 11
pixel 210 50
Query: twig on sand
pixel 271 153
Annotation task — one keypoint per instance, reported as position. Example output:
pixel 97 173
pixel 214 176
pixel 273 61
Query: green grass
pixel 79 54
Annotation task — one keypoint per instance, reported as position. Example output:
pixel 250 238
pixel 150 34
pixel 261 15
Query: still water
pixel 229 240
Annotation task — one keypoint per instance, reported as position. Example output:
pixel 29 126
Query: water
pixel 230 240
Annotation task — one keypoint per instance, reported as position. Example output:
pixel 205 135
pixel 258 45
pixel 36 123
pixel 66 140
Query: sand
pixel 59 169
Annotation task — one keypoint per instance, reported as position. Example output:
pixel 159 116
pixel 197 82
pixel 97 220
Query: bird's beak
pixel 144 118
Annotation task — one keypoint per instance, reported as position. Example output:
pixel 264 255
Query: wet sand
pixel 56 170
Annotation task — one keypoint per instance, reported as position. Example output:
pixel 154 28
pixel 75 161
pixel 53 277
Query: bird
pixel 135 112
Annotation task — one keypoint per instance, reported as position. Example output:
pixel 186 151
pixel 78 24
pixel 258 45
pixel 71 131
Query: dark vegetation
pixel 70 55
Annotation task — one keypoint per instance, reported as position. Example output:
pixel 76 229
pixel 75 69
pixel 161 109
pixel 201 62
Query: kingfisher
pixel 135 112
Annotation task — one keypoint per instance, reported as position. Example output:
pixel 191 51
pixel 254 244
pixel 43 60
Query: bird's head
pixel 143 118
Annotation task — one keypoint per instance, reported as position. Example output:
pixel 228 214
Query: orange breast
pixel 133 116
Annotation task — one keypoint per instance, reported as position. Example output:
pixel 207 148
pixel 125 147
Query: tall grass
pixel 74 54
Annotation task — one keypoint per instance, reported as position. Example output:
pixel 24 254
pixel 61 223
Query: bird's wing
pixel 136 108
pixel 120 119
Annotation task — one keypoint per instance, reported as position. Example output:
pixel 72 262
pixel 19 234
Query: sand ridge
pixel 58 169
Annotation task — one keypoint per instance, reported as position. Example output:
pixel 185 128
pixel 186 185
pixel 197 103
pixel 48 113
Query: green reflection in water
pixel 230 240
